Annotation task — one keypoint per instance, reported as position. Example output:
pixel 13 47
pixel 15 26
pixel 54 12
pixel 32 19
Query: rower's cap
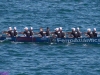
pixel 78 28
pixel 10 28
pixel 15 28
pixel 94 29
pixel 73 29
pixel 57 29
pixel 26 28
pixel 88 29
pixel 31 28
pixel 60 28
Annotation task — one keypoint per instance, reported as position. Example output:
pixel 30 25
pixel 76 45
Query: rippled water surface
pixel 49 59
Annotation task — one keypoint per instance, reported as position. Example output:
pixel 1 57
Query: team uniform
pixel 74 34
pixel 11 33
pixel 90 34
pixel 31 33
pixel 94 34
pixel 26 33
pixel 57 34
pixel 15 33
pixel 62 34
pixel 47 33
pixel 42 33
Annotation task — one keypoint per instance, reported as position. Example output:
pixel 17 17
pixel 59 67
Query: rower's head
pixel 26 28
pixel 15 28
pixel 31 28
pixel 10 28
pixel 41 29
pixel 57 29
pixel 73 29
pixel 94 29
pixel 60 28
pixel 89 30
pixel 78 28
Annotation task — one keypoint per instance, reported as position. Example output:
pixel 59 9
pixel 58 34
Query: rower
pixel 10 32
pixel 26 32
pixel 78 32
pixel 31 31
pixel 47 32
pixel 42 33
pixel 57 32
pixel 94 33
pixel 15 31
pixel 89 33
pixel 74 33
pixel 62 34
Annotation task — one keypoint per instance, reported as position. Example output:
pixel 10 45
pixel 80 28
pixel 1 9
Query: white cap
pixel 31 28
pixel 15 28
pixel 57 29
pixel 78 28
pixel 10 28
pixel 94 29
pixel 26 28
pixel 60 28
pixel 88 29
pixel 73 29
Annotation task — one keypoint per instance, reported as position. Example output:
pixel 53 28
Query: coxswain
pixel 48 32
pixel 78 32
pixel 89 33
pixel 26 32
pixel 61 34
pixel 15 31
pixel 42 33
pixel 74 34
pixel 10 32
pixel 94 33
pixel 31 31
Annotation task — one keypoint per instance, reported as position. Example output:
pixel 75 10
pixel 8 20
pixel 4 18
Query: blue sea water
pixel 50 59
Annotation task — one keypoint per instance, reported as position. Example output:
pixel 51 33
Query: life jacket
pixel 27 33
pixel 90 34
pixel 11 33
pixel 15 32
pixel 94 34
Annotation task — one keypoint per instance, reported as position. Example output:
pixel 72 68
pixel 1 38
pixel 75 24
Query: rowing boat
pixel 52 40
